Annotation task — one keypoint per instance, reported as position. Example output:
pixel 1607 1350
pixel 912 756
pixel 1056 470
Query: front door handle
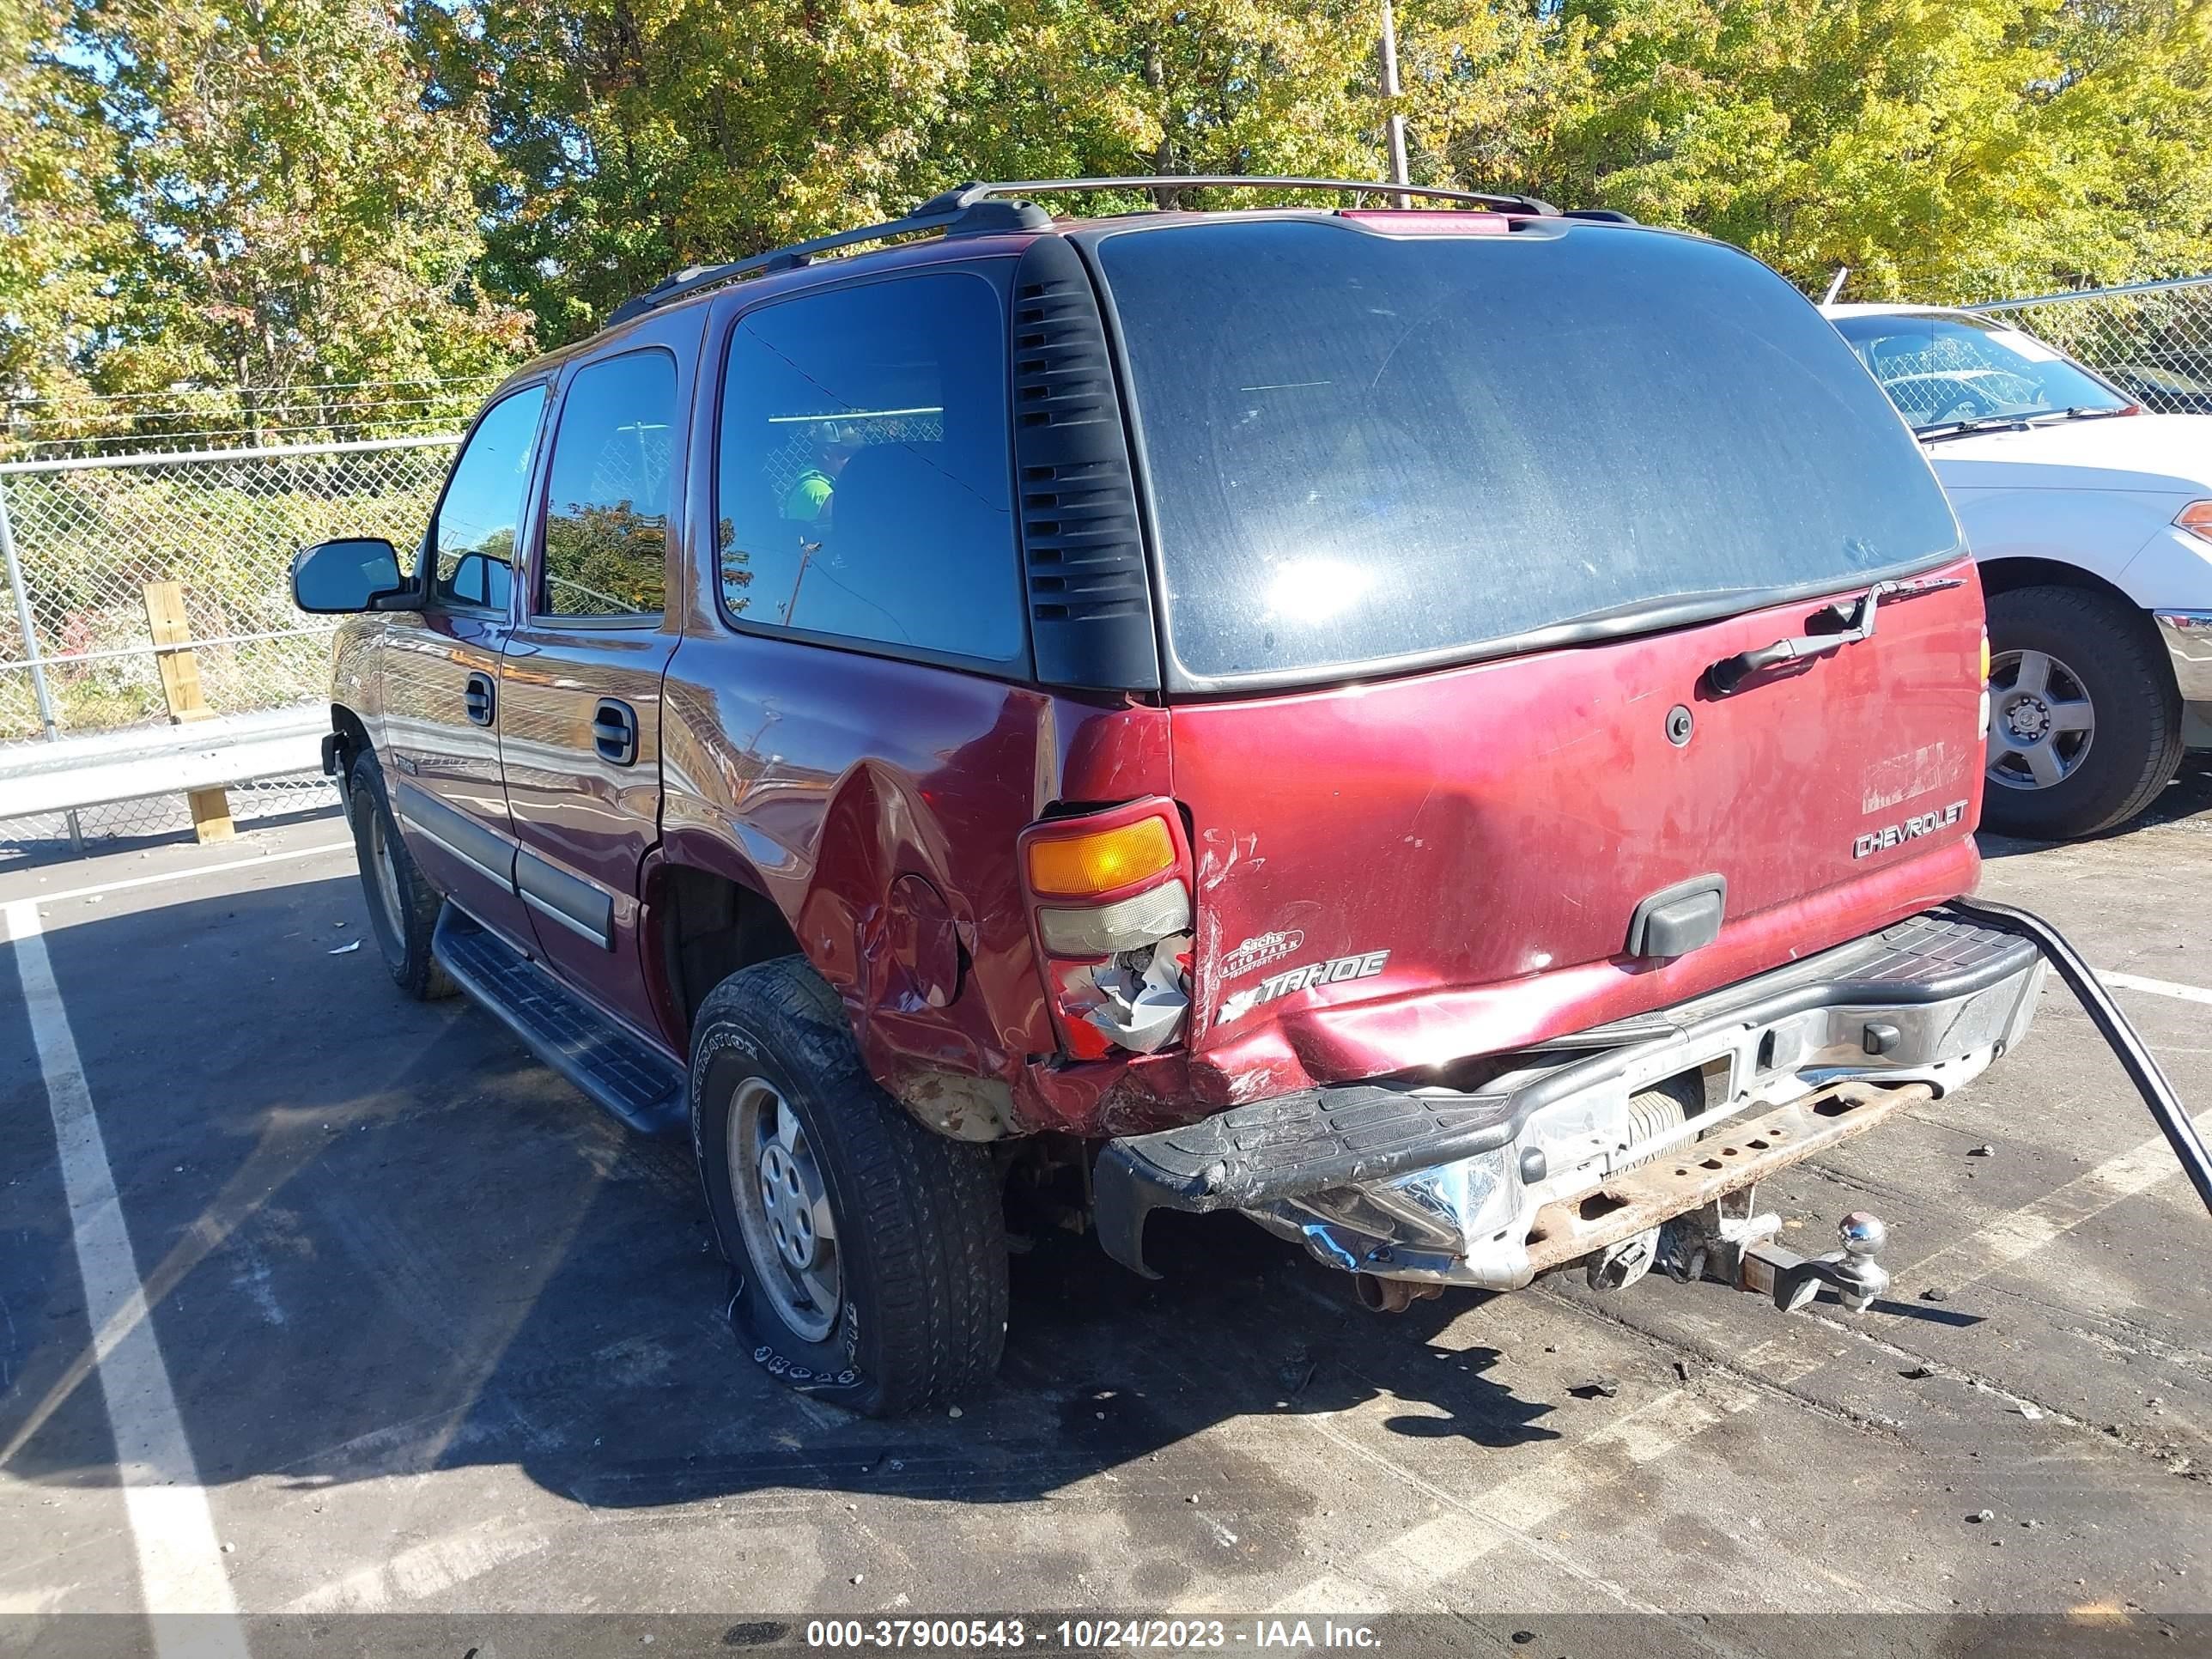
pixel 480 699
pixel 613 732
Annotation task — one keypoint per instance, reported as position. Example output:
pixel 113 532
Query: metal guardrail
pixel 81 539
pixel 103 768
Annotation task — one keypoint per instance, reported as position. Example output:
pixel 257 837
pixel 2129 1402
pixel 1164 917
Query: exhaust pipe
pixel 1391 1295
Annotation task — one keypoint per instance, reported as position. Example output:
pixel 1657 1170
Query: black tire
pixel 2135 747
pixel 919 1316
pixel 403 932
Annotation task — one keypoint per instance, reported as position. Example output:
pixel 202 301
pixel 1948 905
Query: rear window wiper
pixel 1857 615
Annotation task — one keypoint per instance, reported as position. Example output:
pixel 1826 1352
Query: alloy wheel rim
pixel 2042 720
pixel 784 1215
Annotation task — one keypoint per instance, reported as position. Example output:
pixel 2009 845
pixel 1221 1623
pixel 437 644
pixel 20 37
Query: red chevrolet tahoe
pixel 1450 730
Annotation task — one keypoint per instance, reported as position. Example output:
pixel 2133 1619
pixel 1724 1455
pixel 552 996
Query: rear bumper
pixel 1488 1187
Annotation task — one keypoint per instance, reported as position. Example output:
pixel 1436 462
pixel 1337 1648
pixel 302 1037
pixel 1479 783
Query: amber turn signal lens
pixel 2196 520
pixel 1985 659
pixel 1075 866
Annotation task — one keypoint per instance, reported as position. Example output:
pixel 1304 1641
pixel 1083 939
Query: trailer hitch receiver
pixel 1730 1241
pixel 1792 1281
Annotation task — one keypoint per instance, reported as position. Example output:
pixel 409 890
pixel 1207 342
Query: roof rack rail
pixel 933 214
pixel 968 194
pixel 974 209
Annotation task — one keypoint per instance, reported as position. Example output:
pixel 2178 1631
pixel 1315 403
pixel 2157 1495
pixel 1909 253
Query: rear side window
pixel 474 563
pixel 863 474
pixel 607 502
pixel 1366 447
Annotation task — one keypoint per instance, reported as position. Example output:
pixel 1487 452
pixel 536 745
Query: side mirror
pixel 331 578
pixel 480 578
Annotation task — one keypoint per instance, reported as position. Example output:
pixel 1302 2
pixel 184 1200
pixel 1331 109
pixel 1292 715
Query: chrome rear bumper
pixel 1489 1187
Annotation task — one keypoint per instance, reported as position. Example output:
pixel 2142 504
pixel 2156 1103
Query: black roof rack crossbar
pixel 968 194
pixel 977 204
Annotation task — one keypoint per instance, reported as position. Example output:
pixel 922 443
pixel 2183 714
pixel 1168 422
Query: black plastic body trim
pixel 1678 919
pixel 1087 581
pixel 487 852
pixel 572 902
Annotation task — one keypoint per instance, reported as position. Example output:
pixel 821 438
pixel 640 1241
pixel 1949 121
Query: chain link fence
pixel 2153 340
pixel 84 539
pixel 87 536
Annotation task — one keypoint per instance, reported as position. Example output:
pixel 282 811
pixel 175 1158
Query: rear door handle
pixel 479 699
pixel 613 732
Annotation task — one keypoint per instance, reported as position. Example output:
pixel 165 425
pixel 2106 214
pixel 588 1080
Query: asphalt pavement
pixel 379 1334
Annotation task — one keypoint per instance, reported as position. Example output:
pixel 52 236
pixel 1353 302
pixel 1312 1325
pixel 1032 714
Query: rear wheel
pixel 2085 724
pixel 867 1255
pixel 403 906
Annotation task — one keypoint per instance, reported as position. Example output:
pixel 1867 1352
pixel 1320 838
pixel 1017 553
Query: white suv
pixel 2092 524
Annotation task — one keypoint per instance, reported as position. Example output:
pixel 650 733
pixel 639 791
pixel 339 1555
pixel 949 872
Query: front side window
pixel 863 474
pixel 1940 369
pixel 474 546
pixel 608 498
pixel 1364 448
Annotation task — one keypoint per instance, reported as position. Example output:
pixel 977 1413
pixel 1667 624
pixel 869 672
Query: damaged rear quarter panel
pixel 876 803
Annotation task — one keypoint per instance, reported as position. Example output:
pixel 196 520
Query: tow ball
pixel 1729 1241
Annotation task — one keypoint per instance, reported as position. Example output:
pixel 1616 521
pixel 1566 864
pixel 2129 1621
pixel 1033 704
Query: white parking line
pixel 187 874
pixel 2165 988
pixel 2020 1233
pixel 418 1573
pixel 1423 1558
pixel 180 1566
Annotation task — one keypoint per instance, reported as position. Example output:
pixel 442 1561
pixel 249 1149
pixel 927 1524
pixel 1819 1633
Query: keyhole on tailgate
pixel 1679 725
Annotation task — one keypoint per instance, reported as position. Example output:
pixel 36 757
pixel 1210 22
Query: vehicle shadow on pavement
pixel 380 1240
pixel 2188 796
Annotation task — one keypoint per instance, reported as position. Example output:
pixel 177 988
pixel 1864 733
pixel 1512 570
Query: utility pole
pixel 1387 53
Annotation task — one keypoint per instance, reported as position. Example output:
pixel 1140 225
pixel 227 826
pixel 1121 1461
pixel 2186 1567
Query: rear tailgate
pixel 1400 874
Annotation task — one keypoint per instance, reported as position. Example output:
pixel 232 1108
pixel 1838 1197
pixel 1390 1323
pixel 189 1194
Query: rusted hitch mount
pixel 2128 1048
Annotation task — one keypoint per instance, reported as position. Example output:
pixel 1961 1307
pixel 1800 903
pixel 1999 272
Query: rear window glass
pixel 1366 447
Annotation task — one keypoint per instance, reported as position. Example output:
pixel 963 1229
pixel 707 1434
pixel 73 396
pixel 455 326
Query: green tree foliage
pixel 290 192
pixel 1944 150
pixel 249 196
pixel 643 135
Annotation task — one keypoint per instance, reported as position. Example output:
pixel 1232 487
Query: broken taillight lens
pixel 1109 897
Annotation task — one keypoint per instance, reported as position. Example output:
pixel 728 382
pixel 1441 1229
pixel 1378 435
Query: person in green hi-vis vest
pixel 808 500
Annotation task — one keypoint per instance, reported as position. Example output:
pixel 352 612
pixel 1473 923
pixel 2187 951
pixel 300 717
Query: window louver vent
pixel 1083 551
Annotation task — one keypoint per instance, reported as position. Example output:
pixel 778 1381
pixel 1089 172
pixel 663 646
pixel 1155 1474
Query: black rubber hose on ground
pixel 2173 1119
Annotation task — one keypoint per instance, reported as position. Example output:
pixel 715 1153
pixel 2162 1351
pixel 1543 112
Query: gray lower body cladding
pixel 1433 1184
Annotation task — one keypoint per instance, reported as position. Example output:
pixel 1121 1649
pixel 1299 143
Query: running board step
pixel 639 1084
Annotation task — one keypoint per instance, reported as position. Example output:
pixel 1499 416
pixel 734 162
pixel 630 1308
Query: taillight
pixel 1110 895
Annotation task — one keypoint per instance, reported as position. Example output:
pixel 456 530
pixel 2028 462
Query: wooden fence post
pixel 181 690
